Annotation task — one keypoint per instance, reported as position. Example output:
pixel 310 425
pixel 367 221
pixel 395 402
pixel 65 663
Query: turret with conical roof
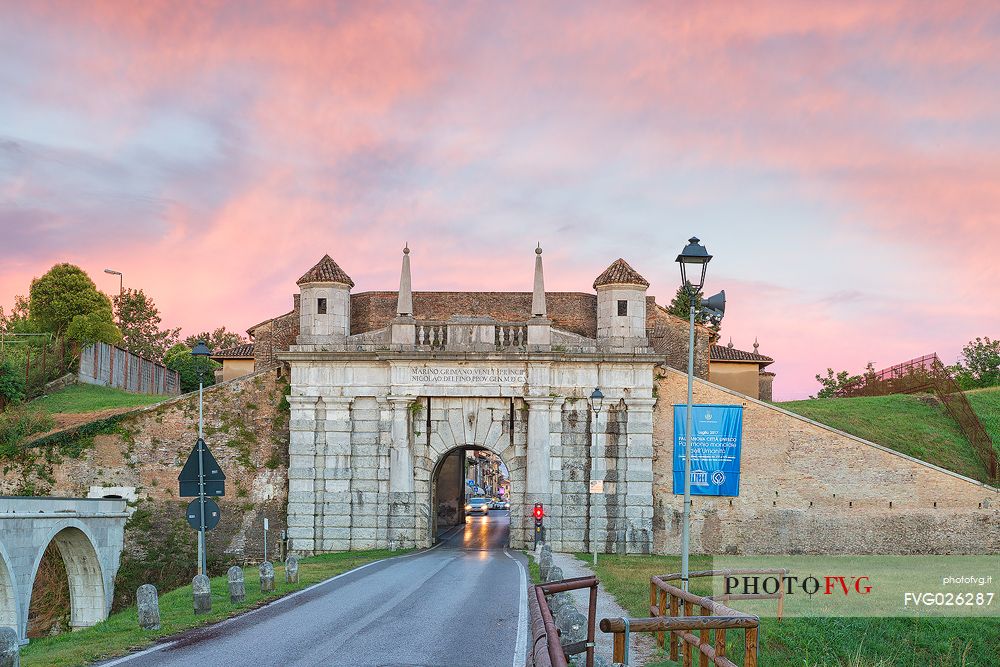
pixel 324 303
pixel 621 306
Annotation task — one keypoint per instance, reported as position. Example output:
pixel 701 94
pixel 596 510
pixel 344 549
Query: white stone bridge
pixel 89 534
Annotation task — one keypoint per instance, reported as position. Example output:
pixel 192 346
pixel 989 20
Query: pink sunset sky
pixel 841 160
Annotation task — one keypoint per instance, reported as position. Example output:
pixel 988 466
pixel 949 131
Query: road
pixel 461 603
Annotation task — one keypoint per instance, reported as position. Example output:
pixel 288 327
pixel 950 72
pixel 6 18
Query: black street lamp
pixel 596 401
pixel 201 350
pixel 694 261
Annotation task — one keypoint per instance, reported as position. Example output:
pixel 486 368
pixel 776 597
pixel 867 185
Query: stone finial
pixel 201 587
pixel 538 294
pixel 10 648
pixel 237 587
pixel 148 605
pixel 292 569
pixel 756 346
pixel 404 303
pixel 266 577
pixel 730 345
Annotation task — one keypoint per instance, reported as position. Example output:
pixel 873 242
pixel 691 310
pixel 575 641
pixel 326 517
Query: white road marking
pixel 521 648
pixel 160 647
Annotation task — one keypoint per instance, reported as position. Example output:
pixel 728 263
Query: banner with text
pixel 716 439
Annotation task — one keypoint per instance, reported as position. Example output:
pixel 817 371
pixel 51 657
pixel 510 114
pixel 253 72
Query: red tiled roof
pixel 325 271
pixel 244 351
pixel 620 273
pixel 726 353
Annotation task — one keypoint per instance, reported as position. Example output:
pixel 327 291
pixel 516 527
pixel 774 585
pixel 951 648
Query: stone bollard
pixel 572 625
pixel 202 588
pixel 292 569
pixel 545 564
pixel 266 577
pixel 555 574
pixel 10 648
pixel 237 589
pixel 148 605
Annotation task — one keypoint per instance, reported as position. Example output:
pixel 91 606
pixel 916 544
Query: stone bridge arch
pixel 89 535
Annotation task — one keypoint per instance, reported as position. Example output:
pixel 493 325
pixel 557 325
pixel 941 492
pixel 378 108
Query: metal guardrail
pixel 558 654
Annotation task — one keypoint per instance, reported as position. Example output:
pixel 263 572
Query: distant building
pixel 741 371
pixel 236 362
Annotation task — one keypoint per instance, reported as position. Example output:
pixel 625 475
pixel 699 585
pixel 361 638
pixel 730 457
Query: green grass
pixel 915 425
pixel 819 642
pixel 986 404
pixel 121 634
pixel 91 398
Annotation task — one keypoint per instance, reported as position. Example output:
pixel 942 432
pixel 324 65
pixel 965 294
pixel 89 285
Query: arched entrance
pixel 471 499
pixel 83 571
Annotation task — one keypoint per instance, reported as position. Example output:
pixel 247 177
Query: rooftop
pixel 620 273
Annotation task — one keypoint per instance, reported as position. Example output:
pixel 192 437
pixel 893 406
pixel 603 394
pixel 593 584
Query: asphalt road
pixel 461 603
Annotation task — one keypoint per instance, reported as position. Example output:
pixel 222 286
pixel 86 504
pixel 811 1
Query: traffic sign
pixel 212 514
pixel 215 479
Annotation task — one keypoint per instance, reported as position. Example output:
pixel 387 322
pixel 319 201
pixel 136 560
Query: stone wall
pixel 806 488
pixel 144 450
pixel 275 335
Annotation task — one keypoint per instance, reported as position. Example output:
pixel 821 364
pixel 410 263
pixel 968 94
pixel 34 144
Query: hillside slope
pixel 986 403
pixel 915 425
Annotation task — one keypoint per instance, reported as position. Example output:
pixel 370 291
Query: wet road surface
pixel 461 603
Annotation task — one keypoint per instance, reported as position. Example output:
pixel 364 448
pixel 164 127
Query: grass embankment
pixel 121 634
pixel 916 425
pixel 80 398
pixel 986 404
pixel 819 642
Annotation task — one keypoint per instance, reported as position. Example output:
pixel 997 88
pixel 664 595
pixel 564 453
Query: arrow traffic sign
pixel 212 514
pixel 215 479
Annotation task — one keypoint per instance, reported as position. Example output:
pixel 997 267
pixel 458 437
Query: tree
pixel 11 383
pixel 979 365
pixel 680 307
pixel 174 350
pixel 188 366
pixel 18 321
pixel 62 294
pixel 95 327
pixel 220 339
pixel 139 320
pixel 834 382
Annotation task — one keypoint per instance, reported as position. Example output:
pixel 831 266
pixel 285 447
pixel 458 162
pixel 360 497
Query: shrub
pixel 11 383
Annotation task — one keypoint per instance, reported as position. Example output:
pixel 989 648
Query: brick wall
pixel 571 311
pixel 669 337
pixel 806 488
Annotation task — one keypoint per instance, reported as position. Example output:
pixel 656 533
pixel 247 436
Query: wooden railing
pixel 704 630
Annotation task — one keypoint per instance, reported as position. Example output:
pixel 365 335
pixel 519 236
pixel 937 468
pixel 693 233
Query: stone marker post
pixel 10 648
pixel 266 577
pixel 237 589
pixel 149 607
pixel 202 588
pixel 292 569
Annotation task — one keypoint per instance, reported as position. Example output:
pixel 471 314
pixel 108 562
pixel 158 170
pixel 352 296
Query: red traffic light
pixel 539 511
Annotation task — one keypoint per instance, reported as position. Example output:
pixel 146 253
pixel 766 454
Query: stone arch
pixel 9 600
pixel 76 546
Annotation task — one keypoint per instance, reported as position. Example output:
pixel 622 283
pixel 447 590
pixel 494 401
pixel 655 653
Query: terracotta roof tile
pixel 620 273
pixel 725 353
pixel 325 271
pixel 244 351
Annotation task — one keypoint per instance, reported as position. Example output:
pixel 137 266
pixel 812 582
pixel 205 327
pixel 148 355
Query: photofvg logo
pixel 771 584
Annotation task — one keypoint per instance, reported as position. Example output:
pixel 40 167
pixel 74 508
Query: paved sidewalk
pixel 642 645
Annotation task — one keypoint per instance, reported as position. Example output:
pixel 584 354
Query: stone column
pixel 554 508
pixel 302 507
pixel 539 449
pixel 400 458
pixel 335 475
pixel 639 475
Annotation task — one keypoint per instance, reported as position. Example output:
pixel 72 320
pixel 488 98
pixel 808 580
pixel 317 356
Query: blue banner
pixel 717 436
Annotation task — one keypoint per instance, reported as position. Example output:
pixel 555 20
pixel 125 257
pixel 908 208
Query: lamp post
pixel 694 262
pixel 121 290
pixel 596 400
pixel 201 350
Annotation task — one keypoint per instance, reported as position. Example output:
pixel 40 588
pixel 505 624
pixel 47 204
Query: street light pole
pixel 201 350
pixel 121 291
pixel 596 398
pixel 695 257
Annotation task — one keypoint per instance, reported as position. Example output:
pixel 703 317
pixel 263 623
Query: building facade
pixel 375 411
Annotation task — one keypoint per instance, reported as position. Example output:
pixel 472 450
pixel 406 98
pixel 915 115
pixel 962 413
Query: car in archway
pixel 478 506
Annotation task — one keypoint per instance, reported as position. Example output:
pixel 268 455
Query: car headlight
pixel 468 507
